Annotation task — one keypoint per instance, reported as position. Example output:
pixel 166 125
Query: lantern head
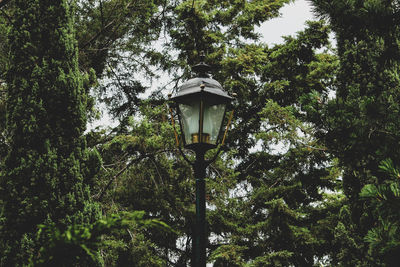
pixel 201 104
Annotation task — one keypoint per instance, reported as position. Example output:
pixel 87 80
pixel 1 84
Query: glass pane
pixel 190 120
pixel 213 116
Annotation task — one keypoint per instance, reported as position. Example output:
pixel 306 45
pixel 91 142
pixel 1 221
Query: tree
pixel 361 124
pixel 47 169
pixel 383 200
pixel 274 219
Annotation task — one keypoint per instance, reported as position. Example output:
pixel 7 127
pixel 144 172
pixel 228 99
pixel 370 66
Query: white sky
pixel 294 16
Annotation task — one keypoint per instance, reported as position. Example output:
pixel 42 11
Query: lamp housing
pixel 201 105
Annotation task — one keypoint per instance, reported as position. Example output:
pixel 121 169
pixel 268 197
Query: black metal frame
pixel 193 146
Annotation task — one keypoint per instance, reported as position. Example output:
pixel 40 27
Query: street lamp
pixel 200 104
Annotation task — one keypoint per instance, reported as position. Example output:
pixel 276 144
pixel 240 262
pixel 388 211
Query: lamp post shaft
pixel 200 227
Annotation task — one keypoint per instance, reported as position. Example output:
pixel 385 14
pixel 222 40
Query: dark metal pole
pixel 200 227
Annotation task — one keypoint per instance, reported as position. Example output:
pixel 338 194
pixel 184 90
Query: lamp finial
pixel 202 69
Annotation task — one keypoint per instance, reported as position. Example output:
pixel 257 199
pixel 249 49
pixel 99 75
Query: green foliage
pixel 384 201
pixel 102 24
pixel 141 162
pixel 361 125
pixel 42 180
pixel 81 243
pixel 275 213
pixel 228 254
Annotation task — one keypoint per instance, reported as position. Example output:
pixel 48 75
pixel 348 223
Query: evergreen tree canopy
pixel 361 124
pixel 43 181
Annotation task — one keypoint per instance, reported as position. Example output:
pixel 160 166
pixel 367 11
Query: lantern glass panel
pixel 190 115
pixel 212 122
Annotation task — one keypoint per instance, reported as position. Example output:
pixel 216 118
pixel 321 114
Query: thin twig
pixel 117 175
pixel 158 172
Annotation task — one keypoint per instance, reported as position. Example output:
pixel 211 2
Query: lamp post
pixel 200 104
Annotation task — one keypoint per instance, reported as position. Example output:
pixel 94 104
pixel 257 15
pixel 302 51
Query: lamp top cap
pixel 202 69
pixel 202 84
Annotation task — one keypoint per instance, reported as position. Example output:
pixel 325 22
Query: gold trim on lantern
pixel 205 138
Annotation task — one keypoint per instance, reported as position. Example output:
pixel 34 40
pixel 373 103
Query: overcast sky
pixel 292 20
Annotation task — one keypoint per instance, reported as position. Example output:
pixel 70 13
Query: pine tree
pixel 273 217
pixel 384 200
pixel 361 125
pixel 43 179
